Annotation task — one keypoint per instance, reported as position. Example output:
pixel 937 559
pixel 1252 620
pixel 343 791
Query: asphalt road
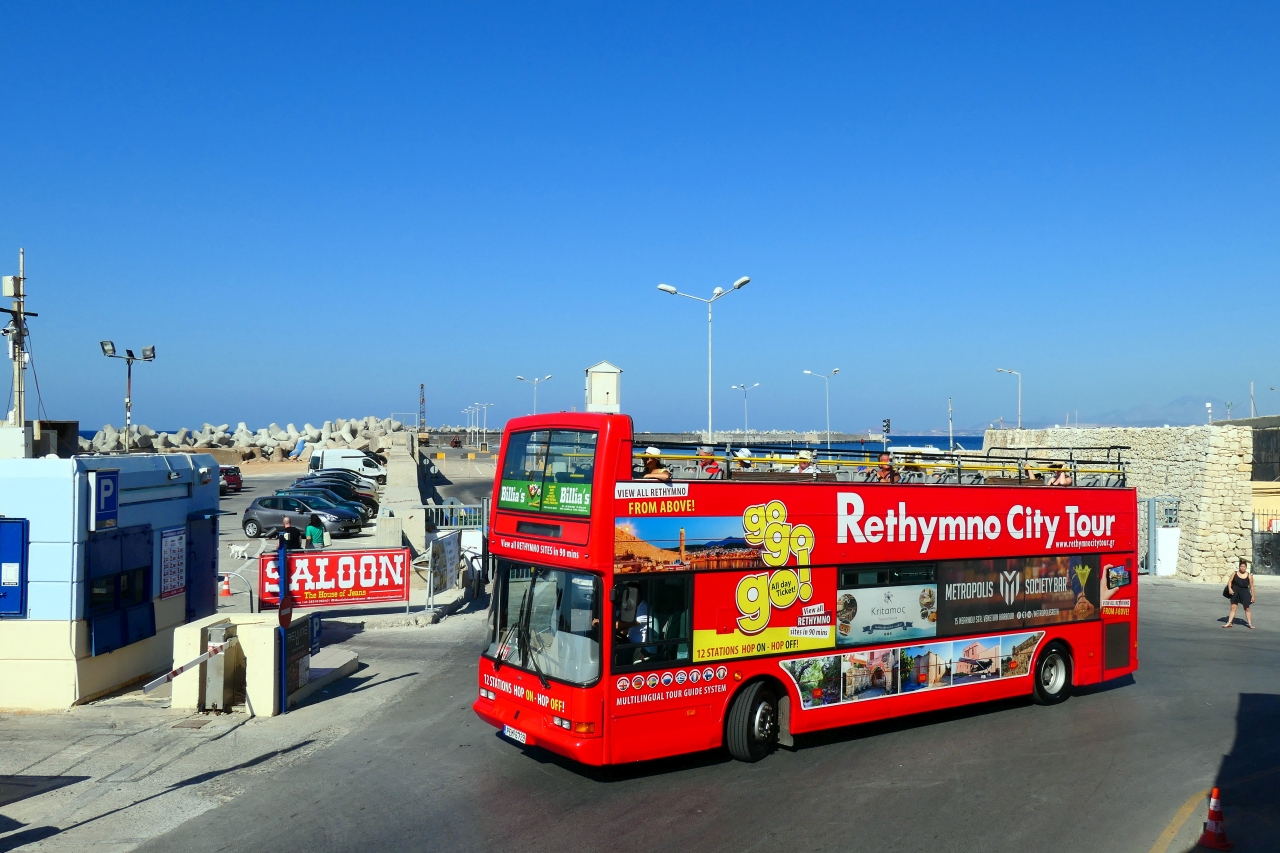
pixel 1108 770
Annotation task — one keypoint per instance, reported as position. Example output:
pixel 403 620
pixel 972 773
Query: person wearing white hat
pixel 653 467
pixel 743 455
pixel 805 465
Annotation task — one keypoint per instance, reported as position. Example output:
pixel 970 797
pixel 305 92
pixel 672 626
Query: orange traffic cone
pixel 1214 836
pixel 226 587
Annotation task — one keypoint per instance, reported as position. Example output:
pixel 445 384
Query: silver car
pixel 267 515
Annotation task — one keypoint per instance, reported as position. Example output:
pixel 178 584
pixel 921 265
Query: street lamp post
pixel 826 381
pixel 1019 375
pixel 715 294
pixel 534 381
pixel 744 388
pixel 148 354
pixel 484 435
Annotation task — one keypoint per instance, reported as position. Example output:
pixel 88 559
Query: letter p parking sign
pixel 104 497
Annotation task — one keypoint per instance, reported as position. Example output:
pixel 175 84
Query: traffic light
pixel 886 426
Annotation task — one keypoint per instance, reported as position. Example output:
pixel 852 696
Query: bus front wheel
pixel 752 728
pixel 1052 679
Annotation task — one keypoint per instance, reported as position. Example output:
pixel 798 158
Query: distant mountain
pixel 1184 411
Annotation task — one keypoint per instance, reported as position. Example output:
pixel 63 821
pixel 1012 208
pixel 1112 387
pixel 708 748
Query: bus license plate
pixel 515 734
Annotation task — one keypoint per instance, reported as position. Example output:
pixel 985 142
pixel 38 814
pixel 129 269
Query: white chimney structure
pixel 603 383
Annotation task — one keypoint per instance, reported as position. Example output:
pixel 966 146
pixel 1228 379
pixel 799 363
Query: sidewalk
pixel 114 773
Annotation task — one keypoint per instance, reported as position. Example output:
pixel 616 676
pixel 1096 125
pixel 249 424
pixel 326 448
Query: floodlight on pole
pixel 715 294
pixel 826 381
pixel 1019 375
pixel 148 354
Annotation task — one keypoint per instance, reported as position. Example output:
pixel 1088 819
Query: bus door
pixel 1119 614
pixel 654 709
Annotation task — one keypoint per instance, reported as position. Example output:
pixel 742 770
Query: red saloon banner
pixel 326 578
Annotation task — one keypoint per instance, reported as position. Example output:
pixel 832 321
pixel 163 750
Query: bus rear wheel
pixel 751 731
pixel 1051 682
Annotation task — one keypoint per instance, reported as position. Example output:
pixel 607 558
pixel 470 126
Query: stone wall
pixel 1206 467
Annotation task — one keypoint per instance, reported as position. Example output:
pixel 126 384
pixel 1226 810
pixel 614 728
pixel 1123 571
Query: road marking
pixel 1162 843
pixel 1166 837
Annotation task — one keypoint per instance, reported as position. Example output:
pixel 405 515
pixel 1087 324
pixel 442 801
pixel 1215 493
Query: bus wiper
pixel 526 635
pixel 504 642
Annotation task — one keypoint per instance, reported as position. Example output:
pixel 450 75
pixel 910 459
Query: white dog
pixel 238 551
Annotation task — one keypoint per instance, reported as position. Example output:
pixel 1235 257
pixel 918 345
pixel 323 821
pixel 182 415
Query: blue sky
pixel 311 208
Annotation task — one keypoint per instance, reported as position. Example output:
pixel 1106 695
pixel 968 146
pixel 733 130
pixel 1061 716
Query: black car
pixel 332 497
pixel 341 488
pixel 267 514
pixel 357 483
pixel 356 480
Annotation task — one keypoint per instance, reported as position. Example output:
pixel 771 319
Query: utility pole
pixel 951 433
pixel 15 286
pixel 422 406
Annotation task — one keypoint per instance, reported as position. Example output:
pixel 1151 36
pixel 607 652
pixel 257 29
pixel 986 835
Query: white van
pixel 349 460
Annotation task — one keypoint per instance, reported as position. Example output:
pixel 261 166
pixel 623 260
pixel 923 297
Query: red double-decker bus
pixel 662 600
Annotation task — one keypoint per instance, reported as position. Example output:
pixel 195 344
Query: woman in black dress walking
pixel 1240 585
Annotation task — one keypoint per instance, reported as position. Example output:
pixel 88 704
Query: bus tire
pixel 751 731
pixel 1051 682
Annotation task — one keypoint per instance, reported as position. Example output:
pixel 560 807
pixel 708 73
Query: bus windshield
pixel 546 621
pixel 549 471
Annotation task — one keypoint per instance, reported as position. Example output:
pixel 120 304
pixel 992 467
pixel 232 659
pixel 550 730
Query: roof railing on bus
pixel 1084 466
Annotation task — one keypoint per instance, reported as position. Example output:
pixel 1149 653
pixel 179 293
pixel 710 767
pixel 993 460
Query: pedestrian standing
pixel 290 535
pixel 315 532
pixel 1240 590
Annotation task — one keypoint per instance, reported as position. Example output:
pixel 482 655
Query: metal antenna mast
pixel 16 331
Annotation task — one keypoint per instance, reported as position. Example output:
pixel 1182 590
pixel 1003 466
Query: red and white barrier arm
pixel 214 649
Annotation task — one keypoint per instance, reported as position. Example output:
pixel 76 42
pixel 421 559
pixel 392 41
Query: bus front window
pixel 546 621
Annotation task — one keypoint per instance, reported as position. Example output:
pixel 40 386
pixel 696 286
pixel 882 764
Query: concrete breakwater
pixel 272 441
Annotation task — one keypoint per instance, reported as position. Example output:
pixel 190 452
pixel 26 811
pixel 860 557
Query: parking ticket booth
pixel 101 557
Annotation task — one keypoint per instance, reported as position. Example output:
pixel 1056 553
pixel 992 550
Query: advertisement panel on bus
pixel 773 594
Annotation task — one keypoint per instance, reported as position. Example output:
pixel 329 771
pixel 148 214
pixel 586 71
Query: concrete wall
pixel 1206 467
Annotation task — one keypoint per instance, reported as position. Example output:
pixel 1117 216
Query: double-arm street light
pixel 148 354
pixel 1019 375
pixel 744 388
pixel 534 381
pixel 826 381
pixel 715 294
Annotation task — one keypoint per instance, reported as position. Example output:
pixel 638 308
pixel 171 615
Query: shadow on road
pixel 1249 774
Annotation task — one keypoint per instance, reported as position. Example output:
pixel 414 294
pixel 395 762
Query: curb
pixel 407 620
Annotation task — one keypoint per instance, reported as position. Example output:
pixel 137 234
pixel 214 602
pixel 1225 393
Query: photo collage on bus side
pixel 859 676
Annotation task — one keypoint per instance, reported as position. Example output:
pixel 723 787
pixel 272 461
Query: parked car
pixel 231 474
pixel 365 489
pixel 340 488
pixel 350 460
pixel 266 515
pixel 345 474
pixel 332 497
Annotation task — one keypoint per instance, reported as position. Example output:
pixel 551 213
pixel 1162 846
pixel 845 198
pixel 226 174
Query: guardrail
pixel 1098 467
pixel 457 516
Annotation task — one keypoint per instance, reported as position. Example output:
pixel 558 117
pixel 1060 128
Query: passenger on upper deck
pixel 743 456
pixel 653 467
pixel 885 473
pixel 710 465
pixel 805 464
pixel 1059 475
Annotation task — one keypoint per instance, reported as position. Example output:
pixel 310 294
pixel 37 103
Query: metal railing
pixel 456 516
pixel 1091 466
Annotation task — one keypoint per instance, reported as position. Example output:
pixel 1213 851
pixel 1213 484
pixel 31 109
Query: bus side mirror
pixel 630 601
